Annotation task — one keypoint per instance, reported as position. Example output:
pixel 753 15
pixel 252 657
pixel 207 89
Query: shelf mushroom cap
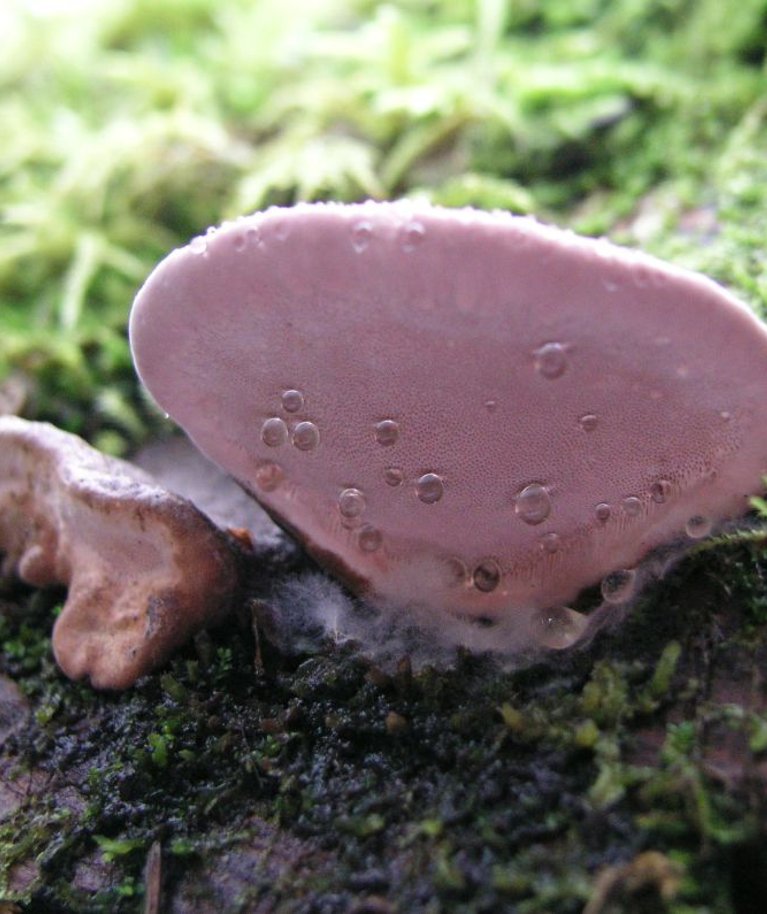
pixel 465 411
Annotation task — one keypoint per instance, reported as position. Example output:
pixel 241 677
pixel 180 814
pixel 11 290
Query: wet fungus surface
pixel 466 413
pixel 143 567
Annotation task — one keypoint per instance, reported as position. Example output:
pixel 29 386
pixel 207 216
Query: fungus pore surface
pixel 144 568
pixel 456 411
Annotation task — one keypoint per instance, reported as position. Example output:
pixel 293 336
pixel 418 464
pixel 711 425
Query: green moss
pixel 478 800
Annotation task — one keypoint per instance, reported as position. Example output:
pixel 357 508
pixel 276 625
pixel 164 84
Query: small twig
pixel 260 614
pixel 153 879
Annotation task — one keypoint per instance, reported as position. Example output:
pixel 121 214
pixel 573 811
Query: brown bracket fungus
pixel 462 412
pixel 144 568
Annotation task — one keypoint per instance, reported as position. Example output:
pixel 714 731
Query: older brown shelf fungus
pixel 143 567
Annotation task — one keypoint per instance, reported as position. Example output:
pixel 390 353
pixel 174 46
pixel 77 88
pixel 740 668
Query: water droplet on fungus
pixel 559 628
pixel 394 476
pixel 486 576
pixel 551 360
pixel 306 436
pixel 351 503
pixel 369 539
pixel 549 543
pixel 533 504
pixel 618 587
pixel 387 432
pixel 274 432
pixel 412 236
pixel 362 232
pixel 292 401
pixel 430 488
pixel 603 512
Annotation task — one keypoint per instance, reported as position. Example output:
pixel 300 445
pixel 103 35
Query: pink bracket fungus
pixel 468 413
pixel 144 568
